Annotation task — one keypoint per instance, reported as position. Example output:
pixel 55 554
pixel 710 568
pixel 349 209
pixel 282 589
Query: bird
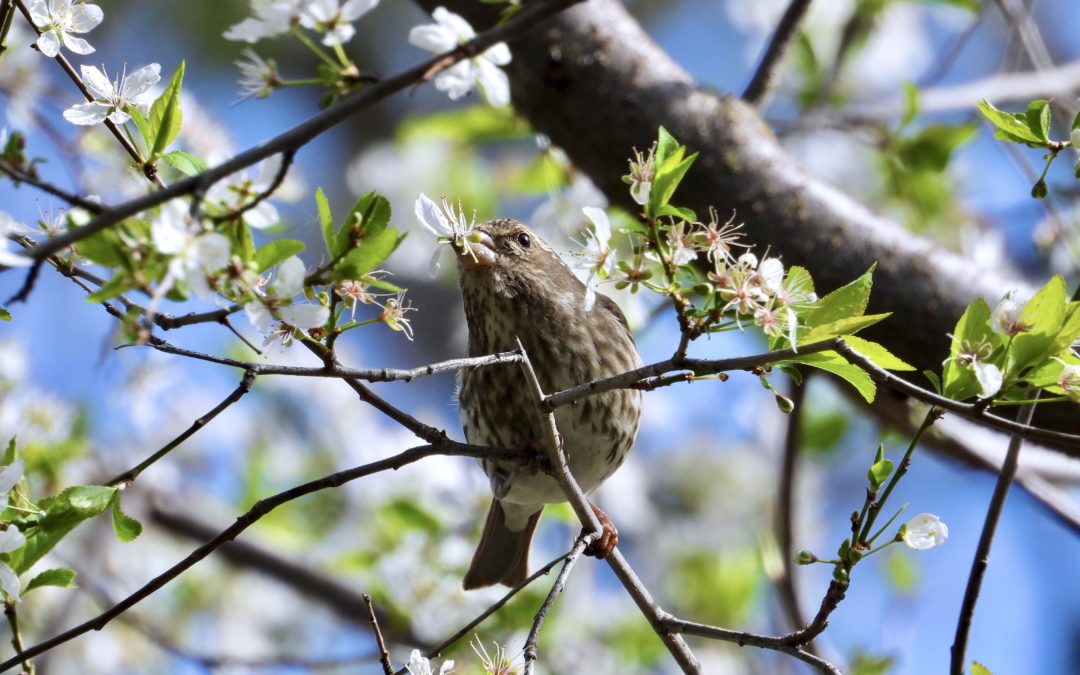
pixel 515 287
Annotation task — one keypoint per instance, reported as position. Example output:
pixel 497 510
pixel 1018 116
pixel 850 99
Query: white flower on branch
pixel 9 476
pixel 598 257
pixel 258 77
pixel 239 189
pixel 10 540
pixel 271 17
pixel 1069 379
pixel 334 18
pixel 9 226
pixel 112 99
pixel 277 304
pixel 1005 319
pixel 924 531
pixel 421 665
pixel 195 254
pixel 449 31
pixel 59 21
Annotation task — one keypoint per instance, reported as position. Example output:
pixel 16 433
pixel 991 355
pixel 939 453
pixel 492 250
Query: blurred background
pixel 695 503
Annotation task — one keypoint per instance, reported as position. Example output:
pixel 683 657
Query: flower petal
pixel 454 22
pixel 494 82
pixel 431 217
pixel 11 539
pixel 433 38
pixel 9 581
pixel 10 475
pixel 97 82
pixel 141 80
pixel 304 316
pixel 86 113
pixel 290 278
pixel 78 45
pixel 49 43
pixel 601 224
pixel 499 54
pixel 258 315
pixel 84 18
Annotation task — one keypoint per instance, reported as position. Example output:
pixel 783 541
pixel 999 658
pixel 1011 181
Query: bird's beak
pixel 477 250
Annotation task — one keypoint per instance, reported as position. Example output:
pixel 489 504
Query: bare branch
pixel 765 79
pixel 785 508
pixel 279 178
pixel 131 474
pixel 748 639
pixel 571 558
pixel 19 176
pixel 384 655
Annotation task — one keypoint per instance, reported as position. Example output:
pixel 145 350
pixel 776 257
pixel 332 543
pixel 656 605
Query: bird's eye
pixel 523 239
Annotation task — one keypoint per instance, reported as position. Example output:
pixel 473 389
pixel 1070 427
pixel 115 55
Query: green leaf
pixel 116 285
pixel 125 527
pixel 932 148
pixel 62 513
pixel 143 125
pixel 1038 119
pixel 185 163
pixel 1044 314
pixel 666 147
pixel 877 353
pixel 840 328
pixel 4 315
pixel 958 381
pixel 838 365
pixel 165 114
pixel 979 669
pixel 1010 127
pixel 878 472
pixel 845 302
pixel 666 180
pixel 103 248
pixel 9 452
pixel 911 103
pixel 679 212
pixel 275 252
pixel 60 576
pixel 369 216
pixel 326 220
pixel 369 255
pixel 935 380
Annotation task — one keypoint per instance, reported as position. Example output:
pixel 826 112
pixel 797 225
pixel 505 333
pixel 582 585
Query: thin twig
pixel 384 655
pixel 279 178
pixel 16 638
pixel 785 497
pixel 762 85
pixel 748 639
pixel 258 511
pixel 986 538
pixel 131 474
pixel 571 559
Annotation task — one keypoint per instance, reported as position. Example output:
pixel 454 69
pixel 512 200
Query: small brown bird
pixel 515 286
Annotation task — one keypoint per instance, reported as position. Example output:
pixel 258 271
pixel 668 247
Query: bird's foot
pixel 602 546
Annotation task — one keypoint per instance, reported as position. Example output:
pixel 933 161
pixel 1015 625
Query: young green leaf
pixel 979 669
pixel 1044 314
pixel 185 163
pixel 1038 119
pixel 165 115
pixel 666 180
pixel 369 216
pixel 143 125
pixel 125 527
pixel 845 302
pixel 839 366
pixel 840 328
pixel 4 315
pixel 666 147
pixel 973 328
pixel 62 513
pixel 61 577
pixel 1010 127
pixel 326 221
pixel 117 284
pixel 371 252
pixel 275 252
pixel 911 103
pixel 9 452
pixel 877 353
pixel 878 473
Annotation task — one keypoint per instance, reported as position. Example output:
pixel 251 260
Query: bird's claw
pixel 603 545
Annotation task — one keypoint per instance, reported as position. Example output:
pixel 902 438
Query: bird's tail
pixel 502 556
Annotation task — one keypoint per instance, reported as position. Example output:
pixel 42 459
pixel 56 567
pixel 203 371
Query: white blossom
pixel 258 77
pixel 924 531
pixel 334 18
pixel 10 540
pixel 447 224
pixel 1005 318
pixel 195 253
pixel 277 302
pixel 598 256
pixel 1069 379
pixel 239 189
pixel 271 17
pixel 9 476
pixel 59 21
pixel 449 31
pixel 111 99
pixel 420 665
pixel 10 258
